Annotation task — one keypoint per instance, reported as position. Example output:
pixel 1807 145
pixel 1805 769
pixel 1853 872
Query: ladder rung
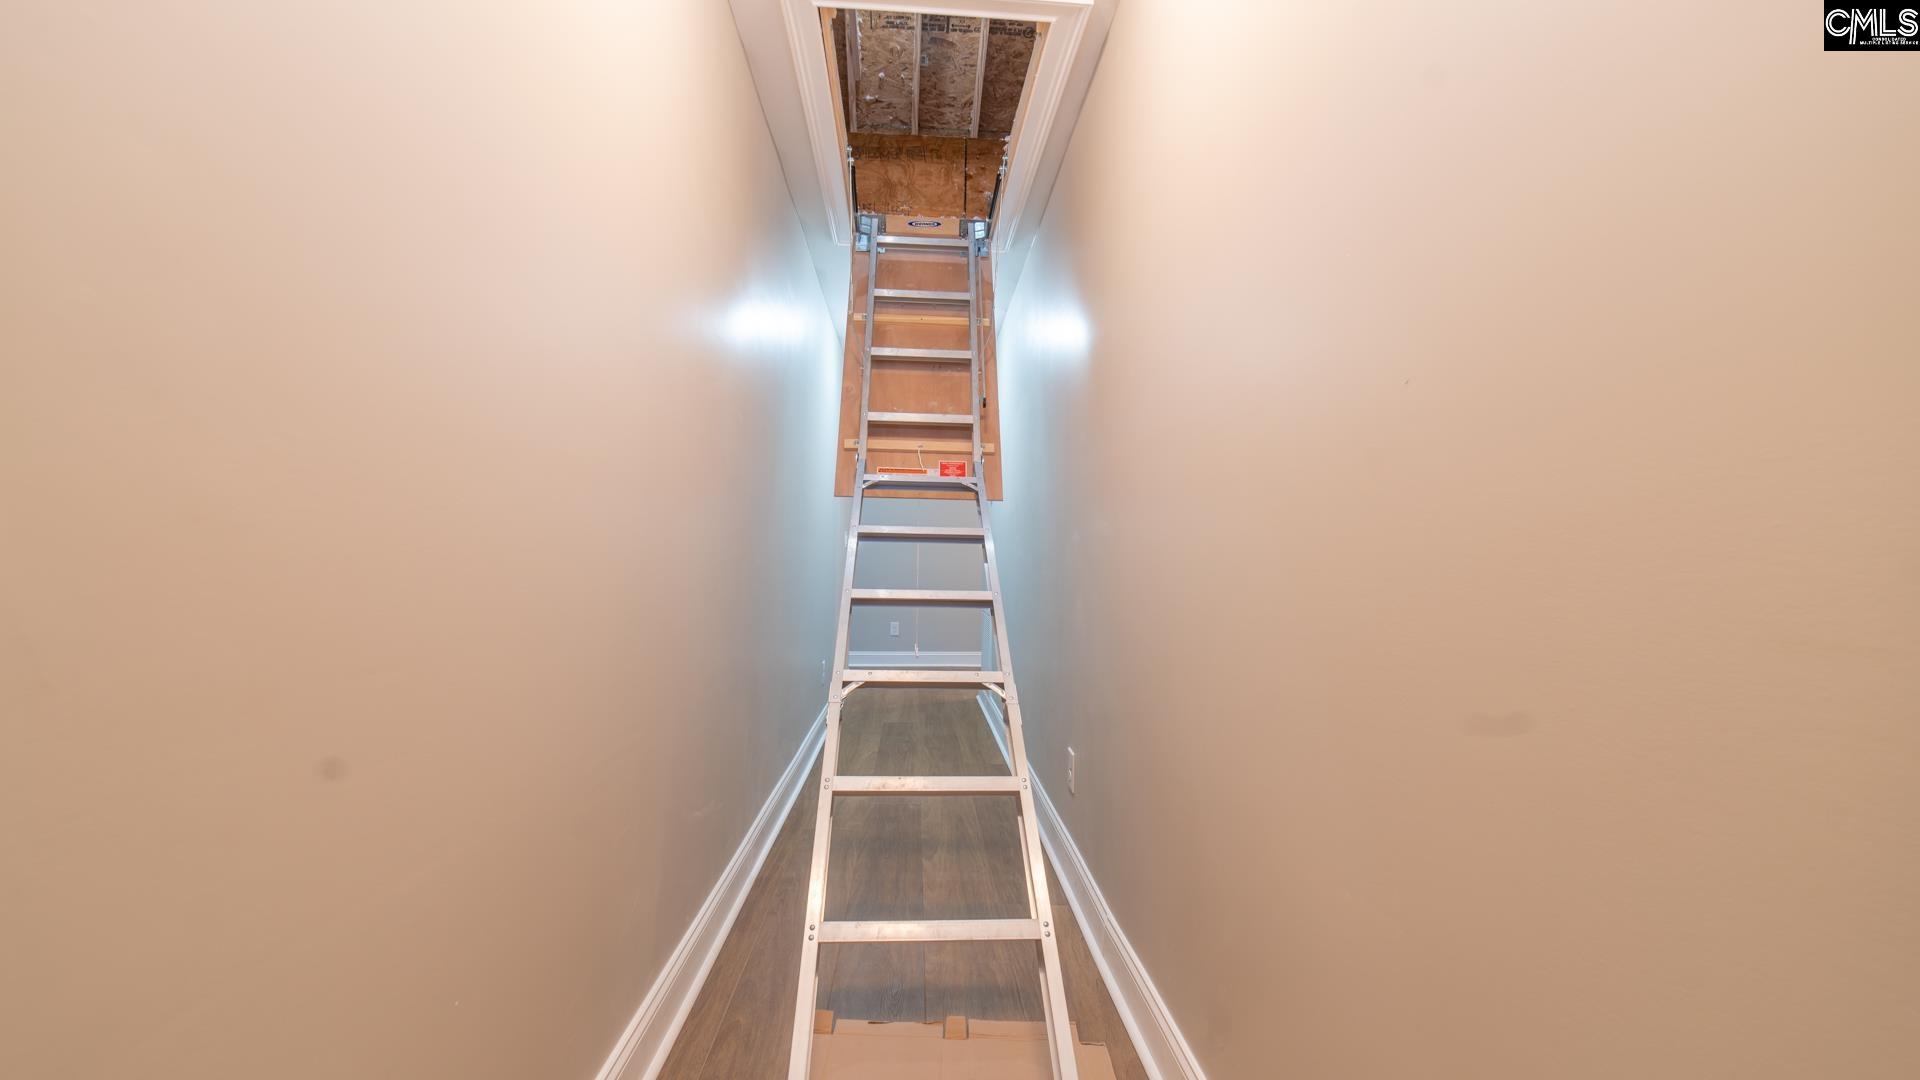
pixel 929 296
pixel 922 677
pixel 927 785
pixel 939 930
pixel 923 596
pixel 890 352
pixel 922 532
pixel 918 480
pixel 923 241
pixel 927 419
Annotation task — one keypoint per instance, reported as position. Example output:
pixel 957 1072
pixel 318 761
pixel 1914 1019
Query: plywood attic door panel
pixel 920 386
pixel 910 332
pixel 909 174
pixel 943 271
pixel 917 386
pixel 924 175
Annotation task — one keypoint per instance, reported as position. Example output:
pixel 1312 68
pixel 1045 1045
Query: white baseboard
pixel 1163 1050
pixel 887 660
pixel 642 1049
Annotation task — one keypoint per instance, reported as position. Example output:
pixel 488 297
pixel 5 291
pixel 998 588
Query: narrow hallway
pixel 902 857
pixel 1427 490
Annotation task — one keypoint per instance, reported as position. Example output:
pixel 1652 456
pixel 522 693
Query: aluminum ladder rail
pixel 1038 926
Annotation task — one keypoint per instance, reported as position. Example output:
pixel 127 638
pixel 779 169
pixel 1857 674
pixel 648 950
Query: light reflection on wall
pixel 1063 334
pixel 762 328
pixel 754 324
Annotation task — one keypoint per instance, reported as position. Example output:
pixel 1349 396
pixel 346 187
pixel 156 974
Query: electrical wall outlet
pixel 1072 760
pixel 893 629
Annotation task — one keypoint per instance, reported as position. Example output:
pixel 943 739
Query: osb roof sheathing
pixel 1009 51
pixel 884 42
pixel 898 67
pixel 949 64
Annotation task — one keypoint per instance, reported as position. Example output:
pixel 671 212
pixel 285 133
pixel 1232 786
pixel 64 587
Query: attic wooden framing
pixel 979 78
pixel 919 48
pixel 1062 23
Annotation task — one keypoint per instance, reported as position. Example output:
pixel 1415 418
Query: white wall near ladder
pixel 1460 508
pixel 416 433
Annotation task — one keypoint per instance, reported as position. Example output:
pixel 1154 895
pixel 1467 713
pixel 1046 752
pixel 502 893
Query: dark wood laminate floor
pixel 945 858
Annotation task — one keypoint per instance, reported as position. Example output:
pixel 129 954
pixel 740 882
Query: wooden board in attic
pixel 920 174
pixel 836 31
pixel 949 74
pixel 1010 50
pixel 883 56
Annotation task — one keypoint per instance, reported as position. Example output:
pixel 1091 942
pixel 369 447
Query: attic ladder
pixel 1037 927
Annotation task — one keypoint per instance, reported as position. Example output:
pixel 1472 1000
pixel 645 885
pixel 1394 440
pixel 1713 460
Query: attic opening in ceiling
pixel 929 104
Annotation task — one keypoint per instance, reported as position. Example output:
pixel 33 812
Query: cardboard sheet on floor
pixel 957 1050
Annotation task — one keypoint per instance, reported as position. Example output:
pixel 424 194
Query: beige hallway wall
pixel 398 403
pixel 1461 510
